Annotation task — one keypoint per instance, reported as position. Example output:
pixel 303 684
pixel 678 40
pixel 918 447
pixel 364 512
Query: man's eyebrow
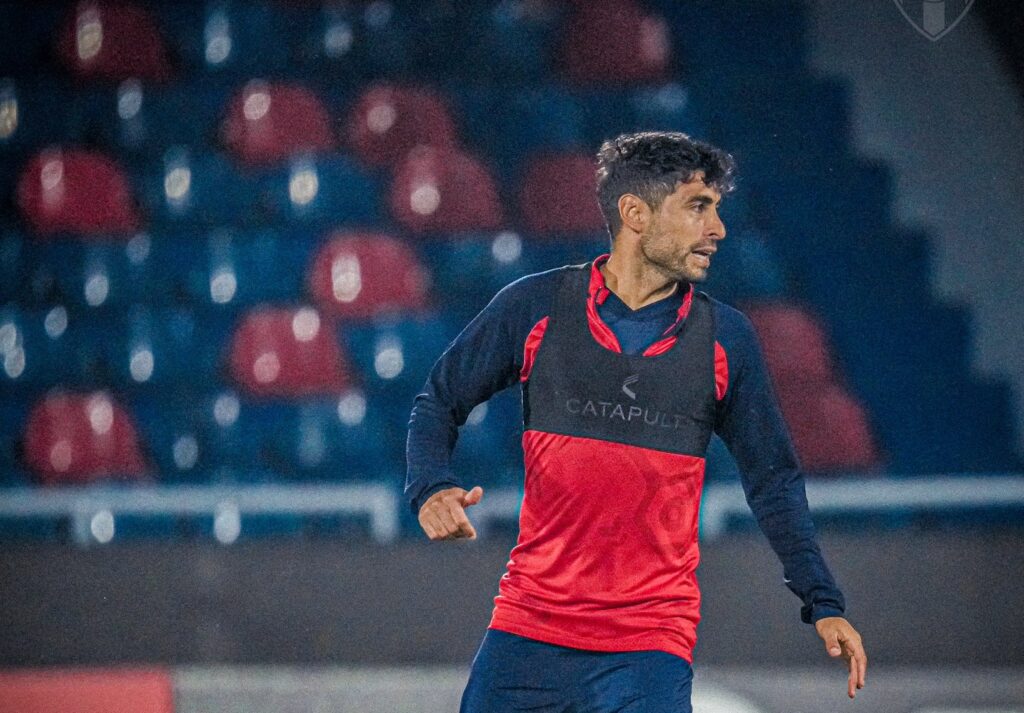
pixel 706 200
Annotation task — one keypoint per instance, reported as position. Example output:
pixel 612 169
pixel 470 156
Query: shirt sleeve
pixel 484 359
pixel 750 423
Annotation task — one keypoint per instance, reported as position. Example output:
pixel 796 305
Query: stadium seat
pixel 229 38
pixel 559 196
pixel 493 261
pixel 320 190
pixel 231 268
pixel 362 275
pixel 166 349
pixel 388 121
pixel 444 191
pixel 104 274
pixel 796 349
pixel 40 349
pixel 144 120
pixel 33 112
pixel 509 124
pixel 76 191
pixel 830 429
pixel 266 123
pixel 341 439
pixel 513 39
pixel 395 356
pixel 112 41
pixel 746 268
pixel 287 352
pixel 201 188
pixel 638 50
pixel 81 437
pixel 608 112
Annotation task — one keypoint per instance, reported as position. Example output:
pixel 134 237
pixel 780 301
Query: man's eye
pixel 699 207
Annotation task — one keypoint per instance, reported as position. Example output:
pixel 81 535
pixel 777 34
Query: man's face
pixel 684 232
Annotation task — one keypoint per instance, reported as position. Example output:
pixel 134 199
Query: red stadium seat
pixel 287 352
pixel 830 429
pixel 80 438
pixel 76 191
pixel 360 275
pixel 86 691
pixel 795 347
pixel 615 41
pixel 444 191
pixel 559 196
pixel 114 41
pixel 389 121
pixel 268 122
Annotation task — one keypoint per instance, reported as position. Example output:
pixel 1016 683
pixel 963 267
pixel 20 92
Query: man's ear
pixel 634 212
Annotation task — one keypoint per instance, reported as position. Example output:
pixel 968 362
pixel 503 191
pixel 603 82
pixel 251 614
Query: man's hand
pixel 841 639
pixel 443 516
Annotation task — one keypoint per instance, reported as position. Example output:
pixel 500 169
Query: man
pixel 626 370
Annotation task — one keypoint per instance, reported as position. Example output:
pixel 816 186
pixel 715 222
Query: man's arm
pixel 484 359
pixel 751 424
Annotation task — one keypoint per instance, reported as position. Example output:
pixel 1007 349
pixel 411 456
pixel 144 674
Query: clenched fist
pixel 443 516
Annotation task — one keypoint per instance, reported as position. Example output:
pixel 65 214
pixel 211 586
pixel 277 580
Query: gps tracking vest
pixel 614 449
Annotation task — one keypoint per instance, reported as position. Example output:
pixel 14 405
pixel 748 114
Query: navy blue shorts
pixel 513 673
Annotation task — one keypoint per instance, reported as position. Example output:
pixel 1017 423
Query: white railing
pixel 93 510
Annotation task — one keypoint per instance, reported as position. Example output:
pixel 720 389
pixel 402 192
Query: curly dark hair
pixel 651 165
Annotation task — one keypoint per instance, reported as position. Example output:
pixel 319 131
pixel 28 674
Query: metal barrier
pixel 92 510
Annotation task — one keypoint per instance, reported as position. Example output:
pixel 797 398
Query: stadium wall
pixel 947 117
pixel 925 599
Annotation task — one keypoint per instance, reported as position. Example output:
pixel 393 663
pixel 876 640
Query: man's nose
pixel 716 229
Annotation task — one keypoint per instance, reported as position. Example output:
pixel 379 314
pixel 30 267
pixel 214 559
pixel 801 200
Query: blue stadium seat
pixel 231 269
pixel 237 38
pixel 196 187
pixel 394 358
pixel 322 190
pixel 41 349
pixel 493 261
pixel 508 124
pixel 358 42
pixel 745 268
pixel 34 113
pixel 104 275
pixel 343 439
pixel 511 39
pixel 145 121
pixel 157 349
pixel 670 107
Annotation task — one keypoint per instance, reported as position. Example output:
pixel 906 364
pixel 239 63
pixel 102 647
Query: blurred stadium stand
pixel 250 229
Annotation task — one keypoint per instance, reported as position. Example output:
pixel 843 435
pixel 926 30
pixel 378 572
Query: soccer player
pixel 626 370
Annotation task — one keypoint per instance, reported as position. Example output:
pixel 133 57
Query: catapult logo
pixel 630 381
pixel 934 18
pixel 625 412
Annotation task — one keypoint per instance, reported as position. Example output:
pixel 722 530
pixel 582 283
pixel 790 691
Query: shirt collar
pixel 598 292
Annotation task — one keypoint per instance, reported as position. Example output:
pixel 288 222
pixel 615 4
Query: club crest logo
pixel 934 19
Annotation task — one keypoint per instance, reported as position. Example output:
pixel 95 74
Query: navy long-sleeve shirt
pixel 491 352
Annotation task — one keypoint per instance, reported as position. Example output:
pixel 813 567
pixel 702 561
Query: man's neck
pixel 636 282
